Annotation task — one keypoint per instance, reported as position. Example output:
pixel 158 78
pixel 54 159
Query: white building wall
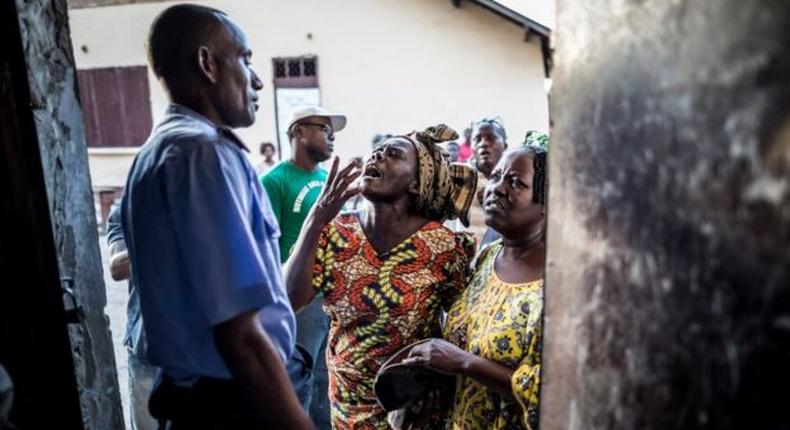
pixel 390 65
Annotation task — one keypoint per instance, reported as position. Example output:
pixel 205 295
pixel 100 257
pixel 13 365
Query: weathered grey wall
pixel 45 34
pixel 668 279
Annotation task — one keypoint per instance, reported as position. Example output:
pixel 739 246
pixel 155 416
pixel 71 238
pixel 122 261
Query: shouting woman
pixel 385 274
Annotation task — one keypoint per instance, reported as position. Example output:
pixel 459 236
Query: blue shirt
pixel 134 337
pixel 202 242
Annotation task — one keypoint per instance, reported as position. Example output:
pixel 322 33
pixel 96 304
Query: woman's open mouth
pixel 493 203
pixel 371 172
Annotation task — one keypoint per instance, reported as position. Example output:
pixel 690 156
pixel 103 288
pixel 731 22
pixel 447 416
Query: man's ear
pixel 206 64
pixel 296 131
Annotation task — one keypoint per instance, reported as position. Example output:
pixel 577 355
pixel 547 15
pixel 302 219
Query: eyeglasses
pixel 330 132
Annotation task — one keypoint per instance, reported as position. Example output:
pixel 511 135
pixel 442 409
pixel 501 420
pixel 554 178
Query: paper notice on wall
pixel 289 100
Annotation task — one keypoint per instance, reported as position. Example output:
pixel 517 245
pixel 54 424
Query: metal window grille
pixel 296 72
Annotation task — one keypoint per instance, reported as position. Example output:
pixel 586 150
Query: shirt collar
pixel 175 108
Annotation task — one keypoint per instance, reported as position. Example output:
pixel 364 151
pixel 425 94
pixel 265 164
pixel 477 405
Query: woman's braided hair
pixel 536 144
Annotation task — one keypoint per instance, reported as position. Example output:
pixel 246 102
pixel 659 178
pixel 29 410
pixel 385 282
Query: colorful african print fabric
pixel 379 303
pixel 501 322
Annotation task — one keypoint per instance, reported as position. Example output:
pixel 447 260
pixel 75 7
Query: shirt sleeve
pixel 272 187
pixel 459 269
pixel 114 230
pixel 323 266
pixel 216 242
pixel 525 381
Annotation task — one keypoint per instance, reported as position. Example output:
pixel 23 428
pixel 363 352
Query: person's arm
pixel 298 270
pixel 120 269
pixel 273 191
pixel 272 186
pixel 446 357
pixel 490 373
pixel 256 367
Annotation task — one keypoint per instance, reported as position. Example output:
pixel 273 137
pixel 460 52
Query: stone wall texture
pixel 668 267
pixel 56 109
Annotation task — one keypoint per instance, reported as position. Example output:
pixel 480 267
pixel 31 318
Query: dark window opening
pixel 294 68
pixel 296 72
pixel 309 66
pixel 279 68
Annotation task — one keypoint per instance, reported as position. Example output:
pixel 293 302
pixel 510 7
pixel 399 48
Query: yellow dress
pixel 503 322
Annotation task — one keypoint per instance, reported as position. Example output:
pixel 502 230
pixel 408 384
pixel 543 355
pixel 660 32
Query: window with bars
pixel 296 72
pixel 295 87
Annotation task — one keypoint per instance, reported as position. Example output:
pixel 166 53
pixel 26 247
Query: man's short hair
pixel 265 145
pixel 175 36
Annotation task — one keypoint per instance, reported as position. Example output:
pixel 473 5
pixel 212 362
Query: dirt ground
pixel 117 295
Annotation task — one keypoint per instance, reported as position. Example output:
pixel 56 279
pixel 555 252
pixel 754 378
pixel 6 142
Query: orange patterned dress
pixel 379 303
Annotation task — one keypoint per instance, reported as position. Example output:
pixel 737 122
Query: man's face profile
pixel 236 85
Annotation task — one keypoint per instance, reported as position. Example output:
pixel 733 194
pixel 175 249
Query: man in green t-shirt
pixel 293 187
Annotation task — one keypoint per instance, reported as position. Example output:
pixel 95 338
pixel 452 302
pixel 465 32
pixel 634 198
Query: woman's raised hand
pixel 337 190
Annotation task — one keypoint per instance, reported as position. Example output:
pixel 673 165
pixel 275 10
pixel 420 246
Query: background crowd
pixel 430 249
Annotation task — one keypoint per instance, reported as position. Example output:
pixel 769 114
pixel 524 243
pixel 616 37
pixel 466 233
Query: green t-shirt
pixel 292 192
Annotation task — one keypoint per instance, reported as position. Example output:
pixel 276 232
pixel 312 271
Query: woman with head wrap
pixel 386 275
pixel 493 331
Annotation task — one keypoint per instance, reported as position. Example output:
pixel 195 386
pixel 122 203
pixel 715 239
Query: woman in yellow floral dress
pixel 493 331
pixel 386 274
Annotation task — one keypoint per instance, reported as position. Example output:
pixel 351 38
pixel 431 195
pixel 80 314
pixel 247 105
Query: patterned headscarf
pixel 445 189
pixel 536 138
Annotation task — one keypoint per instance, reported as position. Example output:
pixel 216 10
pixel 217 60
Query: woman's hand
pixel 337 191
pixel 298 270
pixel 445 357
pixel 441 356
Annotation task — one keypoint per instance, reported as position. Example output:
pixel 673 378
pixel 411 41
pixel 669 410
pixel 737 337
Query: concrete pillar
pixel 668 267
pixel 61 138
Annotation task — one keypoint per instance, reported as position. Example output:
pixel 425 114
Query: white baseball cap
pixel 338 121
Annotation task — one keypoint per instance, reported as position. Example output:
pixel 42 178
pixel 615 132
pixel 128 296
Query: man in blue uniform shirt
pixel 141 373
pixel 202 240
